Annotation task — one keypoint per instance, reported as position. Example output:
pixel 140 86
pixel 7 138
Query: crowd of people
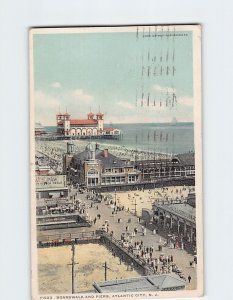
pixel 144 198
pixel 131 242
pixel 157 261
pixel 131 238
pixel 55 150
pixel 126 201
pixel 160 264
pixel 50 155
pixel 60 209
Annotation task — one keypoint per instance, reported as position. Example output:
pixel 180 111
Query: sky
pixel 108 71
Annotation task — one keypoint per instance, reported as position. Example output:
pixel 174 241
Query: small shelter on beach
pixel 163 282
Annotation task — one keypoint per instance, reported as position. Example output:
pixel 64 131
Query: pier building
pixel 92 126
pixel 39 130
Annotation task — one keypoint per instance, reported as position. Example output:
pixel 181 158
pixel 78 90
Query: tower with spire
pixel 63 123
pixel 100 120
pixel 90 115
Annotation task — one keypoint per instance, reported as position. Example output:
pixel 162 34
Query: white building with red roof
pixel 92 126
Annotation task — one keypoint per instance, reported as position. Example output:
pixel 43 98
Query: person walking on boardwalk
pixel 189 278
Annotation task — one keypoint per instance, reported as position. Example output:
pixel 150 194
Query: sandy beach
pixel 55 149
pixel 55 272
pixel 144 199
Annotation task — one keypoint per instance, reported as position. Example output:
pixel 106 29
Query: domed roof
pixel 90 147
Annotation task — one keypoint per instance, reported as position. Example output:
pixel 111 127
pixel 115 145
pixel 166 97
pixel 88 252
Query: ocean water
pixel 163 138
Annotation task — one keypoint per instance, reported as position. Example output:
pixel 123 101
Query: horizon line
pixel 108 123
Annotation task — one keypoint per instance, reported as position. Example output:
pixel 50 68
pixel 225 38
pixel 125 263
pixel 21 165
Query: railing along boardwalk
pixel 125 254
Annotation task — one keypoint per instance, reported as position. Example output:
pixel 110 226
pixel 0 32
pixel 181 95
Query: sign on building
pixel 53 181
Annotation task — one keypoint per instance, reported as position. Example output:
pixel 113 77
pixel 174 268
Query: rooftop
pixel 65 114
pixel 51 189
pixel 143 283
pixel 83 122
pixel 180 209
pixel 108 129
pixel 186 158
pixel 107 161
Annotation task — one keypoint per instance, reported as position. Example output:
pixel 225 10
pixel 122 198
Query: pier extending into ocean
pixel 55 137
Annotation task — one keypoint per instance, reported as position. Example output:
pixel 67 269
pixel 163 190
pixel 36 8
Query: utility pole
pixel 73 264
pixel 105 270
pixel 135 207
pixel 73 253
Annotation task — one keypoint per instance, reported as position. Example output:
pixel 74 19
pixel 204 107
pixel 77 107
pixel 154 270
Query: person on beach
pixel 195 259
